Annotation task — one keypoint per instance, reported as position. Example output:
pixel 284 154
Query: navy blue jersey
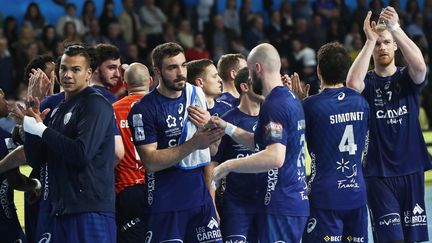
pixel 396 144
pixel 336 131
pixel 158 119
pixel 229 98
pixel 239 192
pixel 105 93
pixel 79 148
pixel 281 120
pixel 51 102
pixel 219 108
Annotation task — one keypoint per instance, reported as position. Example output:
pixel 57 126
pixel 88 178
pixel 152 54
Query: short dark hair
pixel 196 68
pixel 334 63
pixel 169 49
pixel 228 62
pixel 106 52
pixel 241 77
pixel 37 62
pixel 78 50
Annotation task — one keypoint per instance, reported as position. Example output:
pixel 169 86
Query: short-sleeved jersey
pixel 158 119
pixel 219 108
pixel 281 120
pixel 129 171
pixel 229 98
pixel 336 131
pixel 396 143
pixel 239 192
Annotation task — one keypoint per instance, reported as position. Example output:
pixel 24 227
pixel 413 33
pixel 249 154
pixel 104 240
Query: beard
pixel 175 84
pixel 105 81
pixel 257 86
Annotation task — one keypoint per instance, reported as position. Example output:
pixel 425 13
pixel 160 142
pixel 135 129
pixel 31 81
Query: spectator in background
pixel 328 10
pixel 232 17
pixel 411 9
pixel 10 30
pixel 48 40
pixel 318 34
pixel 204 13
pixel 107 16
pixel 287 16
pixel 198 50
pixel 152 19
pixel 114 37
pixel 94 36
pixel 143 47
pixel 70 33
pixel 185 35
pixel 303 10
pixel 360 12
pixel 6 69
pixel 132 54
pixel 129 21
pixel 219 38
pixel 274 30
pixel 70 17
pixel 350 36
pixel 334 31
pixel 175 14
pixel 255 35
pixel 34 18
pixel 301 30
pixel 416 29
pixel 246 15
pixel 88 14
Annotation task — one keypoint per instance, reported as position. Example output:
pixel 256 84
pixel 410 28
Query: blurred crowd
pixel 296 28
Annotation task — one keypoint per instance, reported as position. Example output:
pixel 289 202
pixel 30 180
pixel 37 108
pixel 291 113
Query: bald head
pixel 267 56
pixel 137 75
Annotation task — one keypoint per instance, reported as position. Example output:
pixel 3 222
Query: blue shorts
pixel 130 204
pixel 194 225
pixel 280 228
pixel 337 225
pixel 238 227
pixel 31 212
pixel 397 208
pixel 44 222
pixel 84 228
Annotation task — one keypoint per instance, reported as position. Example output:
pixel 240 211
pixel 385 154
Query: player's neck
pixel 385 71
pixel 248 106
pixel 228 87
pixel 331 86
pixel 169 93
pixel 137 90
pixel 210 101
pixel 270 82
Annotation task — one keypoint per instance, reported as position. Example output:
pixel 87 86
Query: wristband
pixel 33 127
pixel 394 27
pixel 229 129
pixel 38 184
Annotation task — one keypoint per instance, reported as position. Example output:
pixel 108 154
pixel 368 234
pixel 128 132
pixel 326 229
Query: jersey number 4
pixel 347 143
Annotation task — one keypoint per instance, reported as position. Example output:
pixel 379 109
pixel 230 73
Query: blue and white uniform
pixel 10 228
pixel 397 158
pixel 238 202
pixel 178 205
pixel 282 196
pixel 336 133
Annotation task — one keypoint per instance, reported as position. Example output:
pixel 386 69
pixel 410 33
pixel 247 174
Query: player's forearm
pixel 245 138
pixel 119 149
pixel 360 66
pixel 161 159
pixel 412 55
pixel 260 162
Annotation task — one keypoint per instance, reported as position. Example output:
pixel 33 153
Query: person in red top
pixel 199 50
pixel 129 172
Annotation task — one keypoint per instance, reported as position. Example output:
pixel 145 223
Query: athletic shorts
pixel 96 227
pixel 397 208
pixel 10 229
pixel 130 204
pixel 238 227
pixel 280 228
pixel 44 225
pixel 194 225
pixel 337 225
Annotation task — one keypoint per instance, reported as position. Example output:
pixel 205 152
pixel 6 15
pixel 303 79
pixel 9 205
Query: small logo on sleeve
pixel 274 130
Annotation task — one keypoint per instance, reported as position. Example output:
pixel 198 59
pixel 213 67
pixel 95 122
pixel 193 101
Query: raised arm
pixel 411 52
pixel 359 68
pixel 239 135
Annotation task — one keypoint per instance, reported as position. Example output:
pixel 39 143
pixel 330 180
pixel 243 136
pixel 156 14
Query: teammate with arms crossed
pixel 178 205
pixel 338 115
pixel 397 155
pixel 283 205
pixel 238 199
pixel 129 178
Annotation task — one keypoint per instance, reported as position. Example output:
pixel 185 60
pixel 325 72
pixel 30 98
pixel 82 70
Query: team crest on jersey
pixel 137 120
pixel 67 118
pixel 274 130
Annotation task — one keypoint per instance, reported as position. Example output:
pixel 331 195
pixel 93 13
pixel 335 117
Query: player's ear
pixel 199 82
pixel 244 87
pixel 156 70
pixel 232 74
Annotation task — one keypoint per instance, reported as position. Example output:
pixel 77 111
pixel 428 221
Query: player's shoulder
pixel 230 114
